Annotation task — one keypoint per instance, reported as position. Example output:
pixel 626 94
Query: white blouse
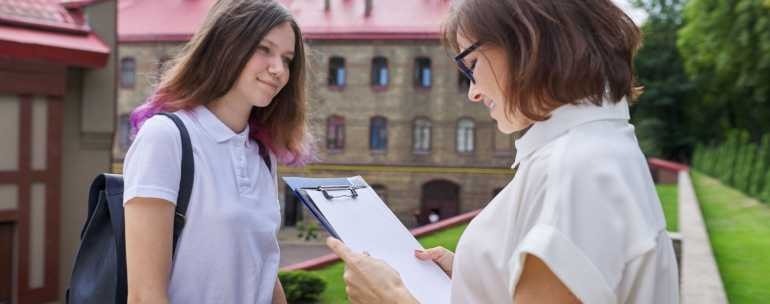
pixel 228 250
pixel 582 201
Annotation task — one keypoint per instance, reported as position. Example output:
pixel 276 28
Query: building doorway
pixel 292 208
pixel 440 200
pixel 6 262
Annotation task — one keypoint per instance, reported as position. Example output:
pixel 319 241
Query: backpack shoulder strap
pixel 186 180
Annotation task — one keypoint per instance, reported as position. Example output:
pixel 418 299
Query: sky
pixel 637 14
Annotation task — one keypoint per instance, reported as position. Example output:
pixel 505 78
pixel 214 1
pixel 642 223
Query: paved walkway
pixel 295 249
pixel 701 282
pixel 293 253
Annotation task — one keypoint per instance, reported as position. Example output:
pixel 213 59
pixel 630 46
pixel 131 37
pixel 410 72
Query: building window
pixel 463 83
pixel 378 133
pixel 335 133
pixel 380 76
pixel 465 131
pixel 124 133
pixel 127 72
pixel 337 72
pixel 421 135
pixel 422 73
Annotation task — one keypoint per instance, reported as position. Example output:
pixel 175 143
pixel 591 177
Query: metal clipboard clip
pixel 326 189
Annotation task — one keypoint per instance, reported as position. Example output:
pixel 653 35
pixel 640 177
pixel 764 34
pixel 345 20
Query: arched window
pixel 380 73
pixel 337 72
pixel 335 132
pixel 421 135
pixel 423 73
pixel 465 132
pixel 127 72
pixel 441 198
pixel 378 133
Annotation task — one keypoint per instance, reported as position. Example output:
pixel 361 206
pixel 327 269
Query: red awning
pixel 76 50
pixel 44 30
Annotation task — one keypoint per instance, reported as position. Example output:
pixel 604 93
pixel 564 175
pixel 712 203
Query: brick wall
pixel 399 168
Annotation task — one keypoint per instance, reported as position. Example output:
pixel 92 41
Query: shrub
pixel 738 162
pixel 763 160
pixel 302 286
pixel 307 231
pixel 748 153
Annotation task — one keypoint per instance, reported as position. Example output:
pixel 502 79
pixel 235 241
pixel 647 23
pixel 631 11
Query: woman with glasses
pixel 581 220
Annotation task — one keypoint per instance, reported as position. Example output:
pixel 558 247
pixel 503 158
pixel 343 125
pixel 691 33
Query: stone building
pixel 57 100
pixel 386 100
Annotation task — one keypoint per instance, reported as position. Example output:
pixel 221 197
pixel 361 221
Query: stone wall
pixel 444 104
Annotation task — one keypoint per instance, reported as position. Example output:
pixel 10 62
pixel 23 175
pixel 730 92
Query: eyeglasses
pixel 467 71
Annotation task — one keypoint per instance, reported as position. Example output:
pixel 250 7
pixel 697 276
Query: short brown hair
pixel 558 51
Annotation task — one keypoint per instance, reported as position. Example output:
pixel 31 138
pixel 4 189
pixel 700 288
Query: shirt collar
pixel 217 129
pixel 562 120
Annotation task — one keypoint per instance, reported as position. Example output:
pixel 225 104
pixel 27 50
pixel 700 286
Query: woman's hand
pixel 369 280
pixel 440 256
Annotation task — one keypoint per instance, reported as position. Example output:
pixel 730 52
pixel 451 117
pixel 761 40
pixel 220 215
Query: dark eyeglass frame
pixel 468 72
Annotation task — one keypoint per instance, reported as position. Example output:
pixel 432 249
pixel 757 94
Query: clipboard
pixel 350 210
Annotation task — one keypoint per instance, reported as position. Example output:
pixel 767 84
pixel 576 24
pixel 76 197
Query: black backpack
pixel 99 272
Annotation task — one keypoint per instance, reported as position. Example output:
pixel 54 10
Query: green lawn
pixel 668 198
pixel 739 229
pixel 335 287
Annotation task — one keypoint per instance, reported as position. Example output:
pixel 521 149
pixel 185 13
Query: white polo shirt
pixel 583 201
pixel 228 250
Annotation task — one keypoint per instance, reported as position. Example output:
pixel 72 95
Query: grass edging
pixel 739 232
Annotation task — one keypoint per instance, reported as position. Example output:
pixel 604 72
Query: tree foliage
pixel 726 49
pixel 661 114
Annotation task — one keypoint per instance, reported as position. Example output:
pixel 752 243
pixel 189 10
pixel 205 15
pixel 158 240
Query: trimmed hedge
pixel 302 286
pixel 738 162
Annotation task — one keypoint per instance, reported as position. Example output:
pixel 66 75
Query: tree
pixel 726 51
pixel 661 114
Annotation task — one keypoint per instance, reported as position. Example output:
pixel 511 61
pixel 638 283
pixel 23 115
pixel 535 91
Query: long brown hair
pixel 211 62
pixel 558 52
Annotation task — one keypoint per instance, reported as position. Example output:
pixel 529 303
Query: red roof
pixel 177 20
pixel 46 30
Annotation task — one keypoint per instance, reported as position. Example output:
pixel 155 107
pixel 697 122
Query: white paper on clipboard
pixel 364 223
